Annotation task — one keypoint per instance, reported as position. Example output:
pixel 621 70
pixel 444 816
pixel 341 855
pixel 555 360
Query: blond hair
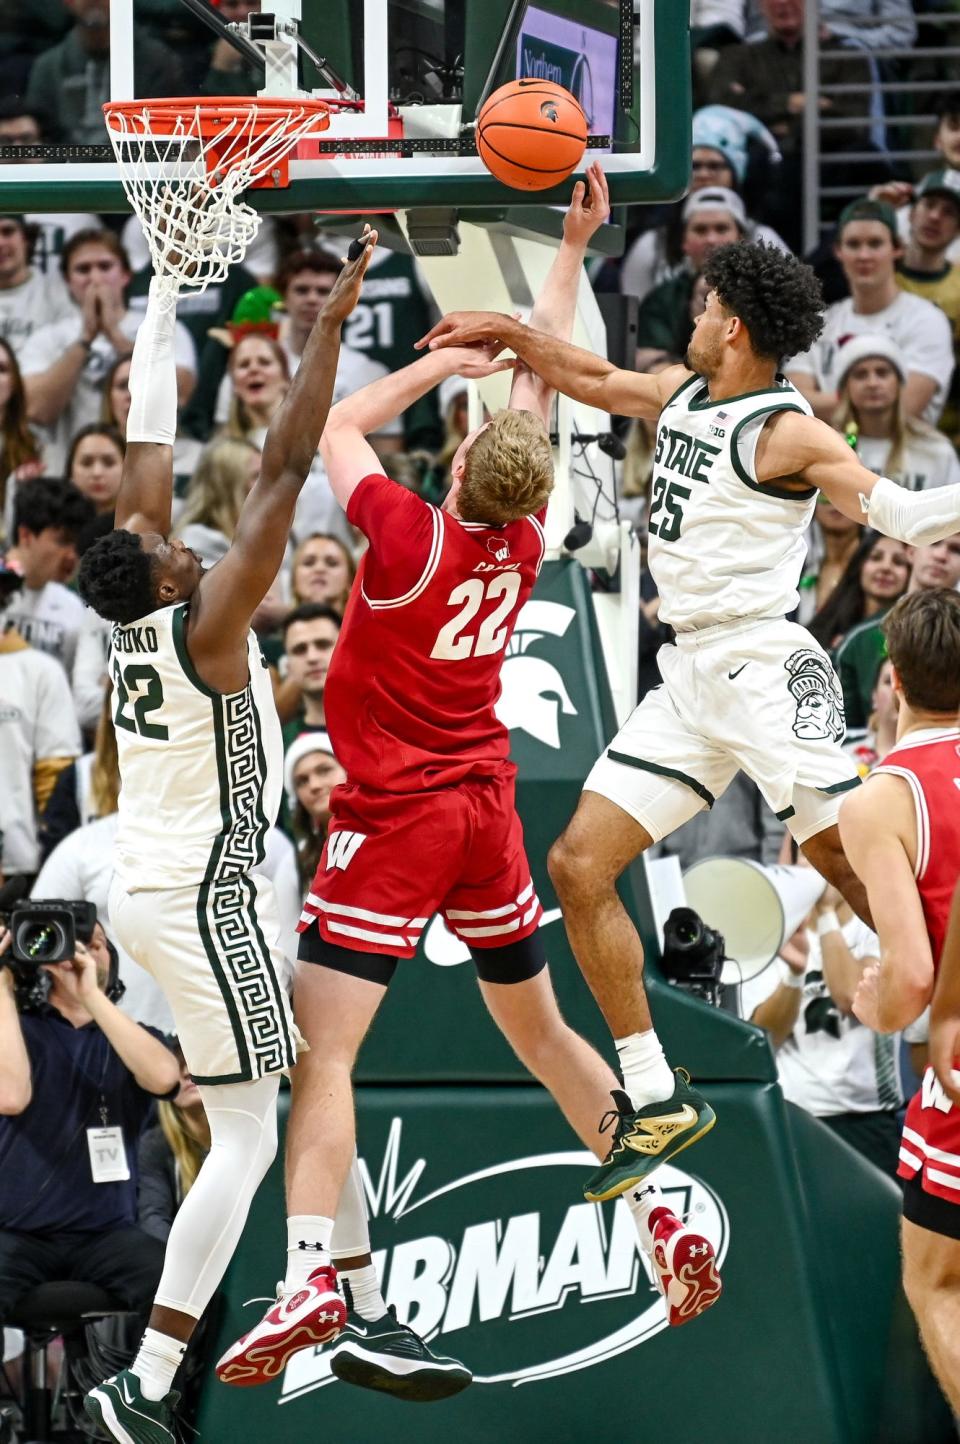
pixel 905 427
pixel 219 486
pixel 105 772
pixel 508 471
pixel 188 1152
pixel 348 557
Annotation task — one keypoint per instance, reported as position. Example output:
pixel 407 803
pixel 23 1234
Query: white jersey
pixel 722 547
pixel 201 772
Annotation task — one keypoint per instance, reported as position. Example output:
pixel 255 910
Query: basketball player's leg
pixel 931 1280
pixel 825 851
pixel 525 1010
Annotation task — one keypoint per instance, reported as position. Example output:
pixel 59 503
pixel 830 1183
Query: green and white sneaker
pixel 646 1137
pixel 386 1355
pixel 119 1407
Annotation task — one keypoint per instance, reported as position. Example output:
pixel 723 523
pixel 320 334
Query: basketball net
pixel 184 165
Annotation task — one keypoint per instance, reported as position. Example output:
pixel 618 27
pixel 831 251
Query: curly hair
pixel 116 578
pixel 777 297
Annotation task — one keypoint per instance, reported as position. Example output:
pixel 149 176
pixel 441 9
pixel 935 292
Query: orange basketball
pixel 531 134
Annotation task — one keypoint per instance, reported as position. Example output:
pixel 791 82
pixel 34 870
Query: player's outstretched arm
pixel 577 373
pixel 230 592
pixel 347 454
pixel 146 490
pixel 555 309
pixel 794 447
pixel 945 1008
pixel 878 831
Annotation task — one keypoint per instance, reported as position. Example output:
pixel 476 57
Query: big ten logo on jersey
pixel 501 1260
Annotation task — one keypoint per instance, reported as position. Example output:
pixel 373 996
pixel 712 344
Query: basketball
pixel 531 134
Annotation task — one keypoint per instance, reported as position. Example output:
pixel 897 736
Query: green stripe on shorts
pixel 671 772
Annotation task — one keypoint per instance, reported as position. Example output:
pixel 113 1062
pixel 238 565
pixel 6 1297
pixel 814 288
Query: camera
pixel 47 931
pixel 693 955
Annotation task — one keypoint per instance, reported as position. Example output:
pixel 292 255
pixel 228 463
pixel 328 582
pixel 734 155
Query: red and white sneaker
pixel 685 1265
pixel 314 1314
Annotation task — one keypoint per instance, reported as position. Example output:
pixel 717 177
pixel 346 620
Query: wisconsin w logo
pixel 342 848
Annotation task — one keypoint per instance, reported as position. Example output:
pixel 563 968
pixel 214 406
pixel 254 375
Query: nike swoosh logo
pixel 354 1330
pixel 126 1396
pixel 731 675
pixel 651 1135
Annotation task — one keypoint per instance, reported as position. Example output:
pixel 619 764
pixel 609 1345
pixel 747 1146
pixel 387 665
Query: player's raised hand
pixel 589 207
pixel 464 328
pixel 475 362
pixel 346 290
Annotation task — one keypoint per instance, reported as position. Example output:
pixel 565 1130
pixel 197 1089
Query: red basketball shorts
pixel 393 860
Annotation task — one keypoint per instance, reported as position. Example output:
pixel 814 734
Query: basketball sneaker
pixel 313 1314
pixel 685 1267
pixel 645 1137
pixel 119 1407
pixel 388 1356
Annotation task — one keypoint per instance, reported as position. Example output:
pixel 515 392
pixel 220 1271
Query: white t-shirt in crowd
pixel 40 301
pixel 926 460
pixel 831 1064
pixel 47 345
pixel 89 675
pixel 918 327
pixel 37 721
pixel 49 618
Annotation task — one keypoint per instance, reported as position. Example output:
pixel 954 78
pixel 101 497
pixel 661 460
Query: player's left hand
pixel 589 208
pixel 346 290
pixel 866 1000
pixel 944 1049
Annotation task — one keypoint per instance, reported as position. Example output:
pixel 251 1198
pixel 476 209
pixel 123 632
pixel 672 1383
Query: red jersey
pixel 415 676
pixel 929 761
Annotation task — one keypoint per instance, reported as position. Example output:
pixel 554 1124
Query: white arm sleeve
pixel 153 372
pixel 915 517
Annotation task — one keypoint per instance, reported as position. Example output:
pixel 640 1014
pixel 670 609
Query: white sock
pixel 641 1202
pixel 308 1247
pixel 158 1359
pixel 647 1076
pixel 365 1292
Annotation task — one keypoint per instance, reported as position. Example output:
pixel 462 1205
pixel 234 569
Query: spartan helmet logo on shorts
pixel 499 548
pixel 819 699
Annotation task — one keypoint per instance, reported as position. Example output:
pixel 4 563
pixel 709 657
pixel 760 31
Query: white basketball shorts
pixel 215 951
pixel 761 696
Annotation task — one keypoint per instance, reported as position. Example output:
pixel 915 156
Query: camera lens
pixel 41 942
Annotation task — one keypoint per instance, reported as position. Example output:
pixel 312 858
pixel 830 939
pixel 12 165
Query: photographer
pixel 77 1078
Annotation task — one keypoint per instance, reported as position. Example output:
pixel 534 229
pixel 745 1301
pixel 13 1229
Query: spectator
pixel 28 298
pixel 19 449
pixel 66 363
pixel 828 1062
pixel 24 33
pixel 871 372
pixel 39 737
pixel 22 127
pixel 868 747
pixel 934 226
pixel 867 248
pixel 115 405
pixel 934 567
pixel 711 217
pixel 171 1153
pixel 75 1064
pixel 875 576
pixel 322 571
pixel 765 77
pixel 225 473
pixel 832 540
pixel 259 373
pixel 311 772
pixel 89 788
pixel 720 158
pixel 95 465
pixel 309 635
pixel 71 81
pixel 48 516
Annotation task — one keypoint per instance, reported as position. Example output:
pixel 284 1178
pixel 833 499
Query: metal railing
pixel 818 160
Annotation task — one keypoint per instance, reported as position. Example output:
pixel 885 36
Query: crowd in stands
pixel 72 293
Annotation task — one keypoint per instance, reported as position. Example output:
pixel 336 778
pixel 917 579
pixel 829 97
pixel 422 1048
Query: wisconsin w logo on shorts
pixel 342 848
